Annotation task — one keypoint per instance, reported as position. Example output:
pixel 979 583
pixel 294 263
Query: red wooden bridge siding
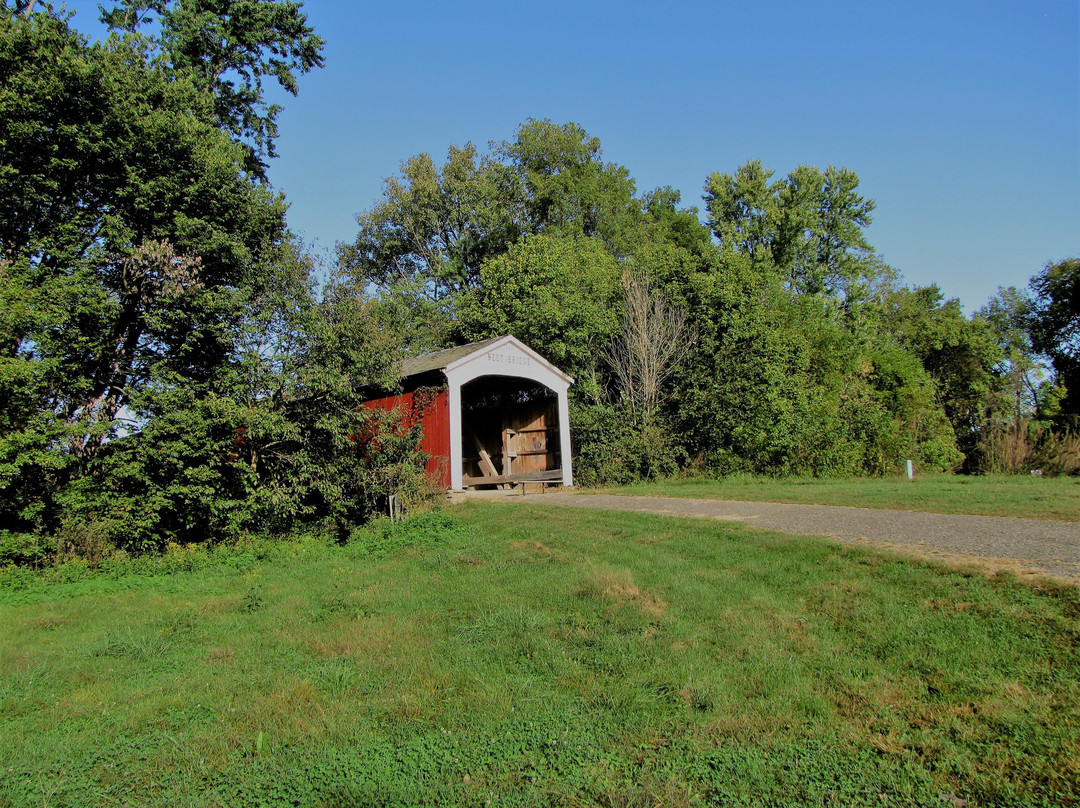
pixel 433 412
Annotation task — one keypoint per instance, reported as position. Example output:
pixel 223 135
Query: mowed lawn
pixel 510 655
pixel 990 495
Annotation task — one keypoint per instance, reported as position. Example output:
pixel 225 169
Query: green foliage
pixel 434 227
pixel 1055 328
pixel 29 568
pixel 960 355
pixel 422 531
pixel 809 226
pixel 227 48
pixel 423 245
pixel 22 549
pixel 796 384
pixel 613 447
pixel 129 229
pixel 119 570
pixel 803 357
pixel 1026 422
pixel 186 476
pixel 213 469
pixel 564 187
pixel 828 774
pixel 167 374
pixel 801 366
pixel 559 295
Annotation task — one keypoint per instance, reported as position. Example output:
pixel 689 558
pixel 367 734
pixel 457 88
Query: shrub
pixel 613 447
pixel 22 549
pixel 213 470
pixel 422 529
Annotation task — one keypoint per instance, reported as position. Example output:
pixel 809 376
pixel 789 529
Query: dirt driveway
pixel 1022 545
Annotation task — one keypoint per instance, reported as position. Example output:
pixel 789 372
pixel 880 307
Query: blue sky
pixel 961 117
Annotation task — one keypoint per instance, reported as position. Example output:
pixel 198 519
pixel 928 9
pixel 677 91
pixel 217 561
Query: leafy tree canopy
pixel 126 228
pixel 803 361
pixel 559 294
pixel 809 226
pixel 228 47
pixel 436 226
pixel 1055 325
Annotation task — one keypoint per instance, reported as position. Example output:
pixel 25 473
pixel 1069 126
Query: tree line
pixel 171 371
pixel 766 336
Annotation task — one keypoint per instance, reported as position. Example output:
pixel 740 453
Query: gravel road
pixel 1022 545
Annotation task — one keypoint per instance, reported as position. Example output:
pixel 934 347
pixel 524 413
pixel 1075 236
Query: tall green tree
pixel 796 372
pixel 962 355
pixel 227 48
pixel 131 228
pixel 783 384
pixel 809 226
pixel 1055 327
pixel 424 244
pixel 1023 426
pixel 562 185
pixel 559 294
pixel 435 226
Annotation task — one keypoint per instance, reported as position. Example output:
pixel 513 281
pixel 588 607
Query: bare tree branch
pixel 655 338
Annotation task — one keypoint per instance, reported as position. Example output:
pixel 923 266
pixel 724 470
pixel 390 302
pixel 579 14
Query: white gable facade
pixel 506 356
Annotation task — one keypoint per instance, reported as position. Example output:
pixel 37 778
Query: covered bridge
pixel 492 413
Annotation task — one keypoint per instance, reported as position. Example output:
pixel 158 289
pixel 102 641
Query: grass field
pixel 508 655
pixel 992 495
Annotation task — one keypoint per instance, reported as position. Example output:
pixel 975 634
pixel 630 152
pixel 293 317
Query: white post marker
pixel 909 468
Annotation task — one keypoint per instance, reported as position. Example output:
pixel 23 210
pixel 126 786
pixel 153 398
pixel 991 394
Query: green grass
pixel 992 495
pixel 512 655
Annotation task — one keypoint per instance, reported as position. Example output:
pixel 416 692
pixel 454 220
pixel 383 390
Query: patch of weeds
pixel 697 697
pixel 469 560
pixel 337 674
pixel 333 604
pixel 87 539
pixel 421 531
pixel 625 608
pixel 93 778
pixel 618 588
pixel 142 646
pixel 24 679
pixel 812 772
pixel 220 656
pixel 535 551
pixel 22 584
pixel 493 627
pixel 376 773
pixel 516 636
pixel 252 600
